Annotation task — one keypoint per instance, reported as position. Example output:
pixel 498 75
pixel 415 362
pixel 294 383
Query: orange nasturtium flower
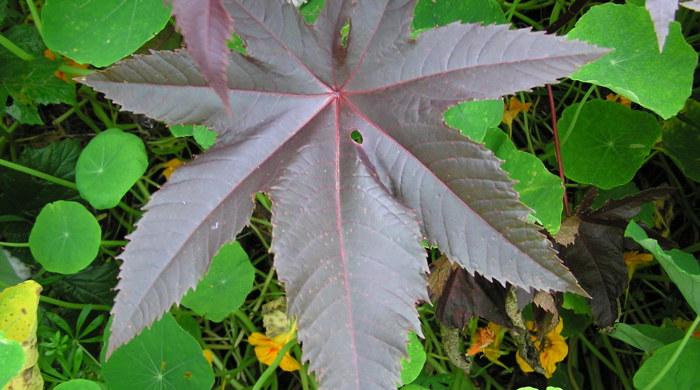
pixel 613 97
pixel 49 54
pixel 488 341
pixel 268 348
pixel 553 349
pixel 512 109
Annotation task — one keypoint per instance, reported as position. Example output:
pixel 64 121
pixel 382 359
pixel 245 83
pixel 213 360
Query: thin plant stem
pixel 660 375
pixel 620 371
pixel 597 353
pixel 36 16
pixel 15 244
pixel 557 148
pixel 266 374
pixel 35 173
pixel 14 49
pixel 71 305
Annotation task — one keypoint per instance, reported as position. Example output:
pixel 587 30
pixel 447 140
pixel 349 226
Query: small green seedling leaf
pixel 607 144
pixel 65 237
pixel 635 69
pixel 473 118
pixel 230 275
pixel 646 337
pixel 683 374
pixel 162 357
pixel 12 358
pixel 539 189
pixel 681 139
pixel 416 359
pixel 681 267
pixel 109 166
pixel 101 32
pixel 78 384
pixel 203 136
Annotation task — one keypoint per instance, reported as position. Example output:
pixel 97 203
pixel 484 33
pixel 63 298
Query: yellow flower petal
pixel 267 350
pixel 512 109
pixel 171 166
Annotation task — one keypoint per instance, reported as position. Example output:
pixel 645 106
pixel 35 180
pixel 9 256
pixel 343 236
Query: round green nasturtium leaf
pixel 416 359
pixel 109 166
pixel 162 357
pixel 538 188
pixel 682 374
pixel 473 118
pixel 65 237
pixel 78 384
pixel 635 69
pixel 230 275
pixel 607 144
pixel 681 140
pixel 101 32
pixel 12 358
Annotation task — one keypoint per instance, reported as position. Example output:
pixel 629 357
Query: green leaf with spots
pixel 539 189
pixel 162 357
pixel 606 143
pixel 473 118
pixel 65 237
pixel 109 166
pixel 230 275
pixel 416 359
pixel 101 32
pixel 681 137
pixel 635 69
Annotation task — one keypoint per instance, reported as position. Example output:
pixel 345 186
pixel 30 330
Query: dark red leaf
pixel 348 217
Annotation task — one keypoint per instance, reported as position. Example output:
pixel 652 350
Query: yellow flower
pixel 488 341
pixel 512 109
pixel 171 166
pixel 268 348
pixel 613 97
pixel 553 349
pixel 634 258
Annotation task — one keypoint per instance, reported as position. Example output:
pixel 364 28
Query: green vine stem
pixel 35 173
pixel 660 375
pixel 15 244
pixel 35 15
pixel 14 49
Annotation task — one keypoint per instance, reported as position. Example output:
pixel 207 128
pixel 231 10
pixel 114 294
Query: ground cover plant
pixel 339 151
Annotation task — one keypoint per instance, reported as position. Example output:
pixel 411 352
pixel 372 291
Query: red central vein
pixel 341 243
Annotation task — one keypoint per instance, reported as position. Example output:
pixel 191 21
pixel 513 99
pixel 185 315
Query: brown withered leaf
pixel 595 257
pixel 440 271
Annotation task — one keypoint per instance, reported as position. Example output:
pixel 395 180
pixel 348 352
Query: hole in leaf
pixel 356 136
pixel 344 32
pixel 237 43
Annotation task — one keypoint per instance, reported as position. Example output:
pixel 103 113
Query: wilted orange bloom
pixel 634 258
pixel 171 166
pixel 613 97
pixel 512 109
pixel 552 347
pixel 488 341
pixel 49 54
pixel 268 348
